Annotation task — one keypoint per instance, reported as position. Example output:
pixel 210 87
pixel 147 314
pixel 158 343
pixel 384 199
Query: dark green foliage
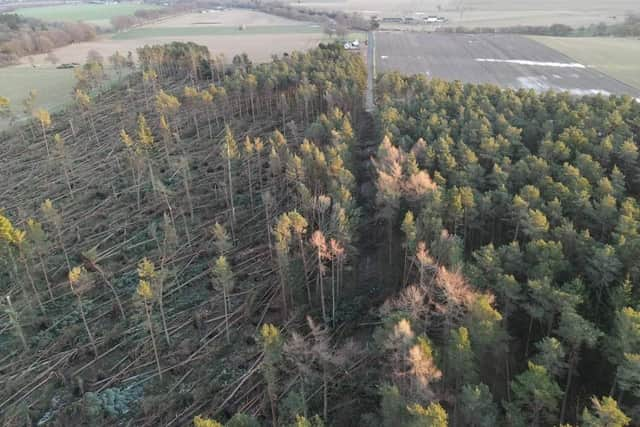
pixel 113 402
pixel 476 406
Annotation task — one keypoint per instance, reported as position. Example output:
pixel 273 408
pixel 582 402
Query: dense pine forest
pixel 215 244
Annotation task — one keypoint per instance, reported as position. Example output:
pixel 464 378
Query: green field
pixel 96 13
pixel 140 33
pixel 617 57
pixel 53 86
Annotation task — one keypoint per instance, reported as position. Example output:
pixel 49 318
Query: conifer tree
pixel 461 367
pixel 551 355
pixel 628 375
pixel 206 98
pixel 337 255
pixel 299 227
pixel 282 236
pixel 410 236
pixel 5 107
pixel 476 406
pixel 168 106
pixel 79 283
pixel 155 279
pixel 535 398
pixel 199 421
pixel 320 244
pixel 247 151
pixel 272 344
pixel 230 154
pixel 61 154
pixel 605 414
pixel 12 313
pixel 145 291
pixel 193 96
pixel 44 119
pixel 14 238
pixel 576 332
pixel 83 101
pixel 223 279
pixel 433 415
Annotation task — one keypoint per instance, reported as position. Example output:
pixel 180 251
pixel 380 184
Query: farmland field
pixel 617 57
pixel 505 60
pixel 263 36
pixel 490 12
pixel 53 86
pixel 98 14
pixel 147 32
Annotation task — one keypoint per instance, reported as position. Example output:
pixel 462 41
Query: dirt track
pixel 506 60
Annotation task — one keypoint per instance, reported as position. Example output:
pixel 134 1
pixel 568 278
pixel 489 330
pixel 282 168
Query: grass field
pixel 619 58
pixel 147 32
pixel 53 86
pixel 97 14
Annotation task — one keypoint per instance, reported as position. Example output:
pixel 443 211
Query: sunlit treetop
pixel 146 269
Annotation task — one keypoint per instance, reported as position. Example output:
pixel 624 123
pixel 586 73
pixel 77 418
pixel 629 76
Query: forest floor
pixel 506 60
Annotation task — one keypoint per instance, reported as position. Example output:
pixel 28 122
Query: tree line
pixel 20 36
pixel 629 27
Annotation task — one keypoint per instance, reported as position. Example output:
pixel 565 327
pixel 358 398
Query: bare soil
pixel 227 18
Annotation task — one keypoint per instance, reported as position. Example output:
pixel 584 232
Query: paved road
pixel 503 59
pixel 371 71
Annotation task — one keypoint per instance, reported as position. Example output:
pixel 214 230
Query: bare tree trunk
pixel 565 398
pixel 233 208
pixel 86 326
pixel 325 393
pixel 250 176
pixel 164 319
pixel 321 286
pixel 226 312
pixel 305 269
pixel 153 338
pixel 44 136
pixel 46 276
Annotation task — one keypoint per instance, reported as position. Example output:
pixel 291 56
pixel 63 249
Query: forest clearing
pixel 506 60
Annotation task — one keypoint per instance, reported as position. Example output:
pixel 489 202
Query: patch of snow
pixel 537 83
pixel 585 92
pixel 533 63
